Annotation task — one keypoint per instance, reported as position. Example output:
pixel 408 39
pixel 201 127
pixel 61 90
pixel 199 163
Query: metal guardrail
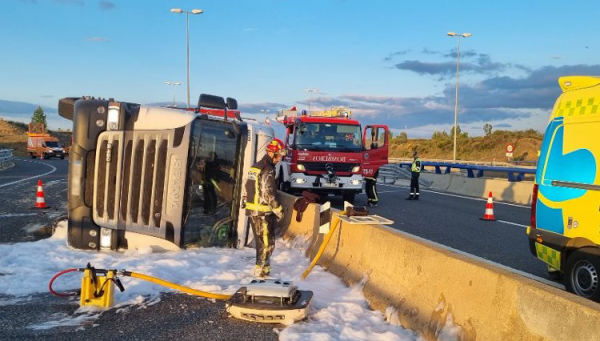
pixel 464 162
pixel 5 156
pixel 513 173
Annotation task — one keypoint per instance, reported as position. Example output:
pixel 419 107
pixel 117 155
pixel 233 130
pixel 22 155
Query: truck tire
pixel 32 155
pixel 349 196
pixel 582 273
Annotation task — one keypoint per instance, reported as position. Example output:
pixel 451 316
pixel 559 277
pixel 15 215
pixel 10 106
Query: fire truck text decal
pixel 329 158
pixel 175 186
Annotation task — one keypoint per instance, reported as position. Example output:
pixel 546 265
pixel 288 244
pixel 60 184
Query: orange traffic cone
pixel 40 202
pixel 489 209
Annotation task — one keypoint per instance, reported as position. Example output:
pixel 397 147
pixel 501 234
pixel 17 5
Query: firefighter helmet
pixel 276 146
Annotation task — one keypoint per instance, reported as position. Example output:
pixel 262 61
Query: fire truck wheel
pixel 32 155
pixel 349 196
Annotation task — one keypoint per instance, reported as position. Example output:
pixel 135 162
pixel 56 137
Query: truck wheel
pixel 349 196
pixel 582 273
pixel 32 155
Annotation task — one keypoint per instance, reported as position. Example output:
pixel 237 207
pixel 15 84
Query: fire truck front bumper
pixel 324 183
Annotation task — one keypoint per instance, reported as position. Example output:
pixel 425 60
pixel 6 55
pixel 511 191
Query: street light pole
pixel 311 91
pixel 464 35
pixel 187 38
pixel 173 86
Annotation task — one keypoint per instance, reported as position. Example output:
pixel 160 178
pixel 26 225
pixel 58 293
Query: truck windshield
pixel 328 137
pixel 212 162
pixel 52 144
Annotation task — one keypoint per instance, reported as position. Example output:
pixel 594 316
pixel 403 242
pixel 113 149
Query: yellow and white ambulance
pixel 565 215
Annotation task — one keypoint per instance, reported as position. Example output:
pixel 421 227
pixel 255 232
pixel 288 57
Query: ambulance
pixel 565 215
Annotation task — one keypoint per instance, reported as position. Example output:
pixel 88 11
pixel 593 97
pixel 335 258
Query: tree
pixel 457 130
pixel 487 128
pixel 39 117
pixel 402 138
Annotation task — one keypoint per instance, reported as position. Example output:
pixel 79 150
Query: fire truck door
pixel 375 155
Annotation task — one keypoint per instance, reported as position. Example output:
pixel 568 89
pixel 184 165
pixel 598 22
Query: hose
pixel 323 246
pixel 177 286
pixel 61 294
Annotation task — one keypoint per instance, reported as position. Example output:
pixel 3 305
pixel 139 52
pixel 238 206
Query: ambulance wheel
pixel 582 273
pixel 349 196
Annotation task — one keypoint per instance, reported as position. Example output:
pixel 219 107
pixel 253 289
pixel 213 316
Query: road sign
pixel 510 148
pixel 509 154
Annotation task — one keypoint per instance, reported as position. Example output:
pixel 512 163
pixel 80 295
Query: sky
pixel 389 61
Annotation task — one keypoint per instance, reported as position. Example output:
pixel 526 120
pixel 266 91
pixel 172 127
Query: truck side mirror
pixel 232 103
pixel 66 107
pixel 211 101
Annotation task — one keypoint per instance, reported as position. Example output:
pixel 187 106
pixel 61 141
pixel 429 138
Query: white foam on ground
pixel 337 312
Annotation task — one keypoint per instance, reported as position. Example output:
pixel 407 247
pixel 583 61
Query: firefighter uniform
pixel 262 207
pixel 371 188
pixel 415 171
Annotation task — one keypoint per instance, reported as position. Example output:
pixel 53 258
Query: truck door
pixel 375 155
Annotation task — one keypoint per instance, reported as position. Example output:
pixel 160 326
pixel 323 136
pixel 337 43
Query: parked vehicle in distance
pixel 565 216
pixel 41 144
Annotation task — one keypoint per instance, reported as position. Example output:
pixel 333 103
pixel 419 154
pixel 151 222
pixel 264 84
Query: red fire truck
pixel 329 153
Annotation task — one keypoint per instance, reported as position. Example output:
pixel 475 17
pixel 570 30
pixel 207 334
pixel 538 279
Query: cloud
pixel 394 54
pixel 501 125
pixel 106 5
pixel 98 39
pixel 73 2
pixel 250 29
pixel 255 108
pixel 481 65
pixel 556 57
pixel 499 99
pixel 14 107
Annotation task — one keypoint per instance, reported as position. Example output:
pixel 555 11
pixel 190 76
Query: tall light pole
pixel 463 35
pixel 311 91
pixel 187 38
pixel 172 84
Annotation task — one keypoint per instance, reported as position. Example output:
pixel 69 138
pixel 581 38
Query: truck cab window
pixel 211 181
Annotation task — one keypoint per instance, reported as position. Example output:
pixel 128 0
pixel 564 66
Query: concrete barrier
pixel 504 190
pixel 436 292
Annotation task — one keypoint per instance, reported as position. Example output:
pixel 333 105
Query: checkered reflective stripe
pixel 582 106
pixel 548 255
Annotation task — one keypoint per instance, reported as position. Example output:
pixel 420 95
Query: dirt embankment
pixel 13 135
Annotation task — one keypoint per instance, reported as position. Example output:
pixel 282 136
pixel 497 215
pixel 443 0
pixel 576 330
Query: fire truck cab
pixel 329 153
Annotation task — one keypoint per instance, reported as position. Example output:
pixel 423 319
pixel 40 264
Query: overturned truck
pixel 162 177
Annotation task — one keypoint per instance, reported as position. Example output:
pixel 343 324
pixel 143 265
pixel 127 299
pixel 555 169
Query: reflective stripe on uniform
pixel 265 236
pixel 277 209
pixel 258 207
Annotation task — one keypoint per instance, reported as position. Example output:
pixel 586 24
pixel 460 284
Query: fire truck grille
pixel 322 167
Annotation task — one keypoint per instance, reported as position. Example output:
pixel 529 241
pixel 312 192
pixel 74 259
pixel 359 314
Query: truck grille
pixel 131 182
pixel 321 167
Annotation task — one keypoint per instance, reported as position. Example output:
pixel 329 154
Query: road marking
pixel 511 223
pixel 461 196
pixel 472 256
pixel 12 215
pixel 31 177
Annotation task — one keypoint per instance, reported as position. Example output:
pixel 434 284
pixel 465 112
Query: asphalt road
pixel 454 221
pixel 175 317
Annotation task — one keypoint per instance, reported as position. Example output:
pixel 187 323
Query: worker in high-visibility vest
pixel 262 205
pixel 415 171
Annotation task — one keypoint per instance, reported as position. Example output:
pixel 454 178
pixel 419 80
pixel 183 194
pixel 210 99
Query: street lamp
pixel 187 38
pixel 311 91
pixel 463 35
pixel 172 84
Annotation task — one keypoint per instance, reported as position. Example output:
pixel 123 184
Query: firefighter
pixel 415 171
pixel 262 205
pixel 371 188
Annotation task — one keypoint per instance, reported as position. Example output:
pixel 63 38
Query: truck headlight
pixel 299 180
pixel 113 116
pixel 355 182
pixel 355 169
pixel 105 238
pixel 300 167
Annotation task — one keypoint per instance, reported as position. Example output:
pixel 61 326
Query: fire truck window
pixel 328 137
pixel 211 182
